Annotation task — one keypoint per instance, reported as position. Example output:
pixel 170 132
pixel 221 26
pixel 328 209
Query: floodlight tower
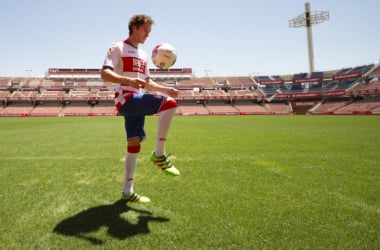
pixel 307 20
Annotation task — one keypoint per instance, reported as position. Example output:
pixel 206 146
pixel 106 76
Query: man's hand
pixel 168 91
pixel 172 92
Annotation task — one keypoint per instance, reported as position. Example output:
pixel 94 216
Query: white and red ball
pixel 164 55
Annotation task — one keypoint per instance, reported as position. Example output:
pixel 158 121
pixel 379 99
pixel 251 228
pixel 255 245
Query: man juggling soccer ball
pixel 126 64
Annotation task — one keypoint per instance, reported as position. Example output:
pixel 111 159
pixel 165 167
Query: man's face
pixel 141 33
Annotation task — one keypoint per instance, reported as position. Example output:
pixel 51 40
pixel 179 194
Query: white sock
pixel 129 172
pixel 164 121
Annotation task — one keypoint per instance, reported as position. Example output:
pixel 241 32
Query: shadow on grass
pixel 91 220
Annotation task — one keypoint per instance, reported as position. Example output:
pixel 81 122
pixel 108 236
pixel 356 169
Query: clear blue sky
pixel 229 38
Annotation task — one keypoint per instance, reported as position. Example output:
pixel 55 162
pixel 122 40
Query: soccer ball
pixel 164 55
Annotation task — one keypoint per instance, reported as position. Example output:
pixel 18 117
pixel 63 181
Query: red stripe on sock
pixel 168 104
pixel 133 149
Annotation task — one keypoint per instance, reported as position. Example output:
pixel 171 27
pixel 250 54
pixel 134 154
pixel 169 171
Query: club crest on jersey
pixel 133 64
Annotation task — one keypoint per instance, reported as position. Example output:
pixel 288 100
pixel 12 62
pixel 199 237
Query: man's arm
pixel 111 76
pixel 152 85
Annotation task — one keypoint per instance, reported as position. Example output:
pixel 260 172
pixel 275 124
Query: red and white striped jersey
pixel 127 60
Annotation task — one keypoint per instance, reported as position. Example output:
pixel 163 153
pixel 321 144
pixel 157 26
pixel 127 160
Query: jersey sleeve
pixel 113 56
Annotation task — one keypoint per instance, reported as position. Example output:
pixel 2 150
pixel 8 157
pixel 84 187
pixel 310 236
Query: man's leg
pixel 166 114
pixel 164 121
pixel 133 150
pixel 134 126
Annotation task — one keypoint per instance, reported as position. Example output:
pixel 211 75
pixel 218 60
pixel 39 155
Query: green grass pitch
pixel 247 182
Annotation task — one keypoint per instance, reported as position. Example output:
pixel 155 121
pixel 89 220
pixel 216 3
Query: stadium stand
pixel 249 108
pixel 278 108
pixel 71 91
pixel 4 95
pixel 53 84
pixel 32 83
pixel 5 83
pixel 192 109
pixel 79 95
pixel 16 110
pixel 104 109
pixel 47 109
pixel 365 106
pixel 104 95
pixel 197 82
pixel 77 109
pixel 240 81
pixel 220 108
pixel 23 95
pixel 244 94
